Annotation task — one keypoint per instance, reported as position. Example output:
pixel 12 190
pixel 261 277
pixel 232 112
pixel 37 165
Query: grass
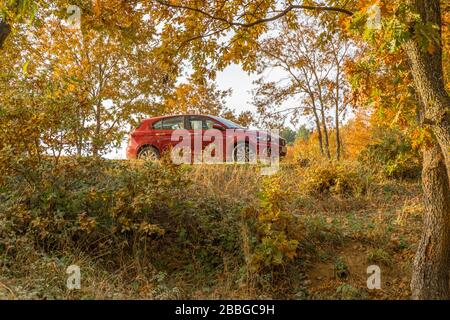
pixel 341 232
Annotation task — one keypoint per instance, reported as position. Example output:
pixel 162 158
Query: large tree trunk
pixel 430 278
pixel 432 264
pixel 429 80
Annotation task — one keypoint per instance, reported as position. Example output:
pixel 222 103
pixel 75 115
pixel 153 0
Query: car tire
pixel 244 153
pixel 149 153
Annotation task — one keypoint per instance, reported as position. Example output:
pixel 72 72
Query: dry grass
pixel 236 183
pixel 380 226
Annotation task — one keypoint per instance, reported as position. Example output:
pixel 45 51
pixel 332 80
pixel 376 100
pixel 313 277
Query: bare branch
pixel 259 21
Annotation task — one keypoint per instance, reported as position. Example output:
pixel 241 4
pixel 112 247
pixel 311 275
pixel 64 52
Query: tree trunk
pixel 316 119
pixel 97 139
pixel 322 108
pixel 431 266
pixel 319 130
pixel 325 132
pixel 428 77
pixel 430 278
pixel 338 139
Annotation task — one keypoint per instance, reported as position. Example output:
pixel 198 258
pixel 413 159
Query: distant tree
pixel 303 133
pixel 312 57
pixel 14 11
pixel 94 83
pixel 288 134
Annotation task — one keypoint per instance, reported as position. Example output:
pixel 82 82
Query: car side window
pixel 173 123
pixel 157 125
pixel 209 124
pixel 196 123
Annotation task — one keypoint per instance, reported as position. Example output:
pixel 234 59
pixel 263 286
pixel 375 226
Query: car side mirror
pixel 218 127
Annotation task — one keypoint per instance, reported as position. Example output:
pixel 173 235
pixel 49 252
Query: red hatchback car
pixel 157 135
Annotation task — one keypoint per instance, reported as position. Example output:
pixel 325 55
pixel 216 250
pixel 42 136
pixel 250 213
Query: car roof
pixel 177 115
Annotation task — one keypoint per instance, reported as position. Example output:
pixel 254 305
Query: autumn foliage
pixel 367 80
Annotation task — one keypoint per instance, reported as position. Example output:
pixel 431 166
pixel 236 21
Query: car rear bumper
pixel 131 153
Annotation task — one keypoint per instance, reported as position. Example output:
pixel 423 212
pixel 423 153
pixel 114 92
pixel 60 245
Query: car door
pixel 196 131
pixel 165 129
pixel 203 134
pixel 214 138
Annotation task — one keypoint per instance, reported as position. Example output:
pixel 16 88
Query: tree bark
pixel 319 137
pixel 96 143
pixel 325 132
pixel 319 130
pixel 428 77
pixel 430 278
pixel 431 266
pixel 316 117
pixel 338 138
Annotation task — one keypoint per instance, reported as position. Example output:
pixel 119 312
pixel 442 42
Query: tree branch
pixel 259 21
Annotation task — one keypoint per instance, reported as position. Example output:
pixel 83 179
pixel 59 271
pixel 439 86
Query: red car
pixel 196 133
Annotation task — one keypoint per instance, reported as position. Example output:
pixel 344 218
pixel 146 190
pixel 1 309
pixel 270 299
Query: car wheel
pixel 148 154
pixel 244 153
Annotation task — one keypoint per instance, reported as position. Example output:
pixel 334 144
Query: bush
pixel 275 230
pixel 335 178
pixel 119 211
pixel 90 201
pixel 393 155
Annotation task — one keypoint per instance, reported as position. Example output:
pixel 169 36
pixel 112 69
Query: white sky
pixel 241 84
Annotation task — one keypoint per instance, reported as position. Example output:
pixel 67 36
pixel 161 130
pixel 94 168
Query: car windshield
pixel 228 123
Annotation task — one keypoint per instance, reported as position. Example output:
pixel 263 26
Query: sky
pixel 241 84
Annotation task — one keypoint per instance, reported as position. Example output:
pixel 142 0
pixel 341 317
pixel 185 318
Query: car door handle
pixel 159 134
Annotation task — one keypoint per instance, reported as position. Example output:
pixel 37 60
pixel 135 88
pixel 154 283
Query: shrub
pixel 118 210
pixel 341 178
pixel 90 201
pixel 274 230
pixel 392 154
